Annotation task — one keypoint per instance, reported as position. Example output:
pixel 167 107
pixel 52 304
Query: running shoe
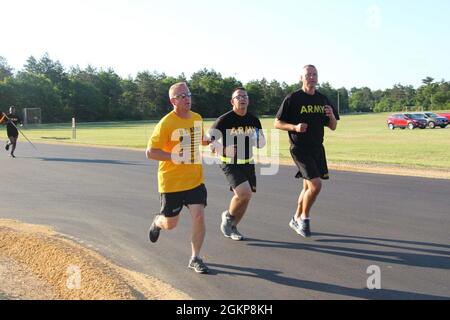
pixel 226 224
pixel 302 228
pixel 198 265
pixel 294 225
pixel 305 229
pixel 153 232
pixel 235 234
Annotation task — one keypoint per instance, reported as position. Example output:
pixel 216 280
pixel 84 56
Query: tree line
pixel 101 95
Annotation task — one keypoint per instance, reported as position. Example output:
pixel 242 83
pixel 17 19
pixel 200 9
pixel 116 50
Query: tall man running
pixel 234 134
pixel 175 143
pixel 304 113
pixel 11 120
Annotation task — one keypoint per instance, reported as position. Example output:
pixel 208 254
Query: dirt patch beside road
pixel 38 263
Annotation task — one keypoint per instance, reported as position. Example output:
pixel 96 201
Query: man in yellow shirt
pixel 175 143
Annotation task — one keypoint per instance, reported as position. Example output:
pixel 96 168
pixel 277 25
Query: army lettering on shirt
pixel 236 130
pixel 300 107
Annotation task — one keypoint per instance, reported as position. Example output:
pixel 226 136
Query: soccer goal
pixel 32 116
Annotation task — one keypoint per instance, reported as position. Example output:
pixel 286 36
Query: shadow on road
pixel 100 161
pixel 430 255
pixel 390 251
pixel 363 293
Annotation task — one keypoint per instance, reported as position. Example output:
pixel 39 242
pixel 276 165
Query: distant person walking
pixel 234 134
pixel 304 114
pixel 12 121
pixel 175 143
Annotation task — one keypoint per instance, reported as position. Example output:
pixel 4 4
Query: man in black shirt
pixel 11 120
pixel 304 114
pixel 234 134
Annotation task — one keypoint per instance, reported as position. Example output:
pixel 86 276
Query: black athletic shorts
pixel 311 162
pixel 173 202
pixel 12 132
pixel 237 174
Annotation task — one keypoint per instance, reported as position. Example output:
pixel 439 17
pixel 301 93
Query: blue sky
pixel 353 43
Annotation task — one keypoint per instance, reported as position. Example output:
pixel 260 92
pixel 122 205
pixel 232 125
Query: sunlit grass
pixel 358 139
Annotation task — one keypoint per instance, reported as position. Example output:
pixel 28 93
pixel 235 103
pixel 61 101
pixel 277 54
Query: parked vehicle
pixel 445 115
pixel 402 121
pixel 419 118
pixel 434 120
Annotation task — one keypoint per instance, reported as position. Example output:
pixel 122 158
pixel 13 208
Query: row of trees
pixel 101 95
pixel 430 96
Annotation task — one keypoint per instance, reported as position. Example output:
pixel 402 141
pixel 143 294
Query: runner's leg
pixel 240 201
pixel 198 227
pixel 310 195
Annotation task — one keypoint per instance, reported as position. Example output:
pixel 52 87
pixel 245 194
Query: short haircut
pixel 176 86
pixel 310 66
pixel 237 89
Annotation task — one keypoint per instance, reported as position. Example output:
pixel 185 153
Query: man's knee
pixel 198 219
pixel 197 213
pixel 314 186
pixel 198 222
pixel 244 196
pixel 243 192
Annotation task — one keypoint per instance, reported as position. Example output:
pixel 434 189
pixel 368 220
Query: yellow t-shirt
pixel 182 138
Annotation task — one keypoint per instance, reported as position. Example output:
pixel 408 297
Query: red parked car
pixel 402 120
pixel 445 115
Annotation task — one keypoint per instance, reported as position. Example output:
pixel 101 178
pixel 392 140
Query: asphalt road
pixel 105 199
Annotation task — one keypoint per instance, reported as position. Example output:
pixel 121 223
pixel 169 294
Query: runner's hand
pixel 329 112
pixel 215 146
pixel 301 127
pixel 230 151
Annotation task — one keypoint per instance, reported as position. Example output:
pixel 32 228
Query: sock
pixel 229 216
pixel 300 219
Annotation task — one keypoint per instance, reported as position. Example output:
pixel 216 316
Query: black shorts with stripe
pixel 237 174
pixel 173 202
pixel 311 162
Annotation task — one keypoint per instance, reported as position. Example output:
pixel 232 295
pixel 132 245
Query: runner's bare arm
pixel 158 154
pixel 301 127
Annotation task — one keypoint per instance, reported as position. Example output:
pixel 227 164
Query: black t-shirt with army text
pixel 237 130
pixel 300 107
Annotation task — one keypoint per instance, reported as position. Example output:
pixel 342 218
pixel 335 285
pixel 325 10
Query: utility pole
pixel 338 101
pixel 74 129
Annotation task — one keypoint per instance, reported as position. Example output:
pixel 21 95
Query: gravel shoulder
pixel 37 263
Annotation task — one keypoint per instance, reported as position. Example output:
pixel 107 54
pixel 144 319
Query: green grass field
pixel 359 139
